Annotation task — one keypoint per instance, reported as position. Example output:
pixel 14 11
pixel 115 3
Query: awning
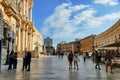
pixel 114 44
pixel 107 48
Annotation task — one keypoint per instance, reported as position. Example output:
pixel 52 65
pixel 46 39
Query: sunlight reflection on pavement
pixel 54 68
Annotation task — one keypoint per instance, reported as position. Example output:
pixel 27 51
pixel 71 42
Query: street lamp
pixel 8 48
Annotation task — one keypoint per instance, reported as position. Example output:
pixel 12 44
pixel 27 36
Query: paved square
pixel 54 68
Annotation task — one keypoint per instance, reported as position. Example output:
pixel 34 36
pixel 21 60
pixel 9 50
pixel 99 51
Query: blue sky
pixel 66 20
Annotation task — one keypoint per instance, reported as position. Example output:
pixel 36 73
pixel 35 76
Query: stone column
pixel 18 39
pixel 27 9
pixel 24 7
pixel 31 14
pixel 32 41
pixel 23 41
pixel 28 41
pixel 26 38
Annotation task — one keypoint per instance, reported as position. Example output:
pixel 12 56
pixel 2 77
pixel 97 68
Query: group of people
pixel 107 59
pixel 60 55
pixel 26 61
pixel 13 61
pixel 73 57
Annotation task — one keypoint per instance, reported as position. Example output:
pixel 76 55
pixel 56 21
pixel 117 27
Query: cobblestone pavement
pixel 54 68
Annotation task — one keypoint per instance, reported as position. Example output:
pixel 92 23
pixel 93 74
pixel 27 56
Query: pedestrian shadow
pixel 25 75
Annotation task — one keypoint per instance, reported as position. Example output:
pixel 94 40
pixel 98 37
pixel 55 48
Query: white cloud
pixel 94 22
pixel 45 30
pixel 107 2
pixel 64 25
pixel 78 18
pixel 60 21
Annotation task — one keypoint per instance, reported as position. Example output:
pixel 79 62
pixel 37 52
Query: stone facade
pixel 48 44
pixel 61 47
pixel 87 44
pixel 37 46
pixel 109 39
pixel 17 19
pixel 64 47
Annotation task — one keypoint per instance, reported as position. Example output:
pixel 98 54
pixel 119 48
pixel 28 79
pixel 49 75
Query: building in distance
pixel 48 46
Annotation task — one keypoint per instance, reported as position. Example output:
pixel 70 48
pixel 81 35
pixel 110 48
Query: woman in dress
pixel 76 59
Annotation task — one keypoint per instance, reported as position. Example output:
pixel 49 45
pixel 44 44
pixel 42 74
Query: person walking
pixel 24 66
pixel 28 57
pixel 97 60
pixel 10 60
pixel 108 61
pixel 15 61
pixel 70 59
pixel 76 59
pixel 84 56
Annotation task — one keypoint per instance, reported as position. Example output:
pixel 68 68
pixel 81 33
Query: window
pixel 5 36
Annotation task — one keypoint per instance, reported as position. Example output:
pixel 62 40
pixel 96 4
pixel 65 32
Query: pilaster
pixel 26 38
pixel 27 9
pixel 18 39
pixel 31 14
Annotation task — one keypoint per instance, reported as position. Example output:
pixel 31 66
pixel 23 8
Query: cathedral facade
pixel 17 27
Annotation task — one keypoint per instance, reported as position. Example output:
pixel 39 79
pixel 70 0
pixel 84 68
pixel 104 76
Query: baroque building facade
pixel 16 24
pixel 87 43
pixel 109 39
pixel 61 47
pixel 37 43
pixel 65 47
pixel 48 45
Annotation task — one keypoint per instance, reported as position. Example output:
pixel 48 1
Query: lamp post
pixel 8 48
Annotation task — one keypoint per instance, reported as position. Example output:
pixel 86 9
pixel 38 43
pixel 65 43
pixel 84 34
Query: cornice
pixel 4 2
pixel 111 29
pixel 9 11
